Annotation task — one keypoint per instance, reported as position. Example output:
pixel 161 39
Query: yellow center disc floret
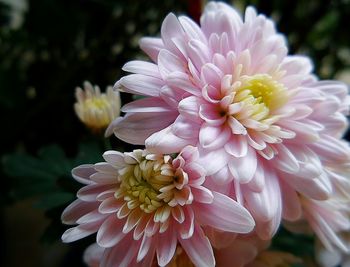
pixel 261 94
pixel 142 184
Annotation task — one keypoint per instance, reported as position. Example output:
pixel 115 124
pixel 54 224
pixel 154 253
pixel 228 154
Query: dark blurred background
pixel 48 47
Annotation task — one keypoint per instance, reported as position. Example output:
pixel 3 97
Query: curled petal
pixel 225 214
pixel 110 232
pixel 243 168
pixel 198 248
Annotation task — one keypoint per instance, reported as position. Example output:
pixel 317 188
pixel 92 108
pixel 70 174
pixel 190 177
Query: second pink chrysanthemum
pixel 150 203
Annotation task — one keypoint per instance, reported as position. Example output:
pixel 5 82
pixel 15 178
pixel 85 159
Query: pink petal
pixel 151 228
pixel 151 46
pixel 166 246
pixel 92 216
pixel 82 173
pixel 168 63
pixel 258 181
pixel 187 227
pixel 297 65
pixel 166 142
pixel 110 232
pixel 237 146
pixel 192 30
pixel 236 126
pixel 190 154
pixel 136 128
pixel 132 220
pixel 291 204
pixel 114 158
pixel 182 81
pixel 148 259
pixel 172 96
pixel 309 187
pixel 89 193
pixel 202 194
pixel 210 74
pixel 198 53
pixel 243 169
pixel 218 18
pixel 213 95
pixel 211 115
pixel 77 209
pixel 145 247
pixel 337 88
pixel 189 108
pixel 225 214
pixel 171 28
pixel 140 227
pixel 140 84
pixel 142 67
pixel 178 214
pixel 213 137
pixel 104 178
pixel 149 104
pixel 81 231
pixel 266 230
pixel 303 131
pixel 206 159
pixel 105 168
pixel 285 160
pixel 331 148
pixel 222 177
pixel 198 249
pixel 324 231
pixel 113 257
pixel 110 205
pixel 92 255
pixel 184 128
pixel 264 205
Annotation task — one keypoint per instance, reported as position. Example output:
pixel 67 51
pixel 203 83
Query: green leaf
pixel 54 200
pixel 88 153
pixel 291 242
pixel 49 174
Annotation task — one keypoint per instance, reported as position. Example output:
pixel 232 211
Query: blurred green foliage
pixel 60 43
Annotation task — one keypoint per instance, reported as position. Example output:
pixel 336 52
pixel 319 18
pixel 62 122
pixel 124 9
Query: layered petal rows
pixel 267 130
pixel 239 138
pixel 150 203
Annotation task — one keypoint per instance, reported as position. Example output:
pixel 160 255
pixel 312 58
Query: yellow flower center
pixel 97 103
pixel 261 95
pixel 143 183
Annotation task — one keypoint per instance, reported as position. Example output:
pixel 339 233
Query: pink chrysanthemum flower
pixel 250 251
pixel 150 203
pixel 259 117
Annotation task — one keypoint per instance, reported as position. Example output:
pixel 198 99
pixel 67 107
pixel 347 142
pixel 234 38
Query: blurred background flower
pixel 48 47
pixel 95 109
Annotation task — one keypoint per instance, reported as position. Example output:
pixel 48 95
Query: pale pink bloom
pixel 259 117
pixel 335 257
pixel 250 251
pixel 93 255
pixel 329 220
pixel 143 204
pixel 244 251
